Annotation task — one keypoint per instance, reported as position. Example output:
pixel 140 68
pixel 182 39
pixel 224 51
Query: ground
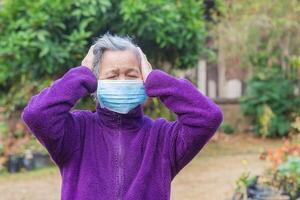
pixel 210 176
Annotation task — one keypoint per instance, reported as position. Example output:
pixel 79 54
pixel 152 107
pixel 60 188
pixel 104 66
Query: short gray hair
pixel 110 42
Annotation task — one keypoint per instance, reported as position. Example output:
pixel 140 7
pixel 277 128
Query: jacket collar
pixel 132 120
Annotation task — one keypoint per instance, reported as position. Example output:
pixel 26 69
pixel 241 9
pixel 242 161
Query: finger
pixel 91 48
pixel 145 63
pixel 143 59
pixel 141 52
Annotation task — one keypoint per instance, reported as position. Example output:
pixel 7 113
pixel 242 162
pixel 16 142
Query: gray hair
pixel 110 42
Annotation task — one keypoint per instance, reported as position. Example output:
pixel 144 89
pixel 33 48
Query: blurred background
pixel 244 54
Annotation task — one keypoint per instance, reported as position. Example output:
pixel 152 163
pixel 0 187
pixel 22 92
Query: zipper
pixel 120 170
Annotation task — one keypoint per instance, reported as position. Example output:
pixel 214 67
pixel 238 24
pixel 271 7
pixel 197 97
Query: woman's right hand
pixel 89 58
pixel 145 64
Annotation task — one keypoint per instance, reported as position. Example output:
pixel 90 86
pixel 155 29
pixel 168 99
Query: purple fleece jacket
pixel 104 155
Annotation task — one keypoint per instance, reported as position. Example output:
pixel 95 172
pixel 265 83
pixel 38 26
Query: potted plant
pixel 14 163
pixel 28 160
pixel 40 160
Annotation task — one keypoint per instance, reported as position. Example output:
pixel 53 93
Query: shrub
pixel 288 176
pixel 271 100
pixel 227 128
pixel 263 36
pixel 40 40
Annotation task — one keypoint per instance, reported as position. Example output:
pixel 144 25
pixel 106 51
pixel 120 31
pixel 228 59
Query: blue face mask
pixel 121 96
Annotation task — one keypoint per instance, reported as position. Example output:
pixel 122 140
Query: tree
pixel 264 36
pixel 42 39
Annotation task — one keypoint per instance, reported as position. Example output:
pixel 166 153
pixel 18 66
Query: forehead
pixel 119 59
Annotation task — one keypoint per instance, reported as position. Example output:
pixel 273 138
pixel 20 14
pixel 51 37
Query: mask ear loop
pixel 97 51
pixel 98 96
pixel 140 61
pixel 97 60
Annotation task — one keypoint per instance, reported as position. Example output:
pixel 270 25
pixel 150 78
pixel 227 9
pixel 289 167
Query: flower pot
pixel 14 163
pixel 40 160
pixel 28 163
pixel 28 160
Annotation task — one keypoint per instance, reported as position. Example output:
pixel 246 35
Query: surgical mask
pixel 121 96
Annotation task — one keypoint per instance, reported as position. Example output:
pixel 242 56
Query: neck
pixel 130 121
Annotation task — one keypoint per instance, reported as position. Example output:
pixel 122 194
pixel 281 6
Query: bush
pixel 174 26
pixel 271 100
pixel 289 176
pixel 227 128
pixel 263 36
pixel 40 40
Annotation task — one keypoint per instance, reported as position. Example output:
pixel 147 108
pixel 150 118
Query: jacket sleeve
pixel 198 117
pixel 48 114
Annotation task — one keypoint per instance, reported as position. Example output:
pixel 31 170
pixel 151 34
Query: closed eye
pixel 110 77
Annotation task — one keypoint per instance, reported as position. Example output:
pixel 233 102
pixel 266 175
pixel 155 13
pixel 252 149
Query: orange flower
pixel 280 155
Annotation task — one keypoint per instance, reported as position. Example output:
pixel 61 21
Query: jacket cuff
pixel 156 79
pixel 90 78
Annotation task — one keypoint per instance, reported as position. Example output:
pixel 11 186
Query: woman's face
pixel 120 65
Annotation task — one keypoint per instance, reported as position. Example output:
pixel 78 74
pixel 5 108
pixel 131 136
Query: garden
pixel 255 153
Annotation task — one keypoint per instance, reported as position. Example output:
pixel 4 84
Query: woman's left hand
pixel 89 58
pixel 145 65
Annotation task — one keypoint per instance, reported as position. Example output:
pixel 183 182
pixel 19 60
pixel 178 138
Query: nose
pixel 121 77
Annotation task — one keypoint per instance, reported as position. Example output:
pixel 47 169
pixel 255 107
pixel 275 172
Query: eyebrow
pixel 112 71
pixel 132 69
pixel 116 70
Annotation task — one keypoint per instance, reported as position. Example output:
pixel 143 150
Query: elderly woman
pixel 117 152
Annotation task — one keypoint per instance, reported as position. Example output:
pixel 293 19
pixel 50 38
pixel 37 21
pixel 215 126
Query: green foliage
pixel 40 40
pixel 170 25
pixel 44 37
pixel 1 149
pixel 227 128
pixel 291 168
pixel 289 176
pixel 157 109
pixel 284 173
pixel 244 181
pixel 4 128
pixel 33 145
pixel 255 33
pixel 270 99
pixel 263 36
